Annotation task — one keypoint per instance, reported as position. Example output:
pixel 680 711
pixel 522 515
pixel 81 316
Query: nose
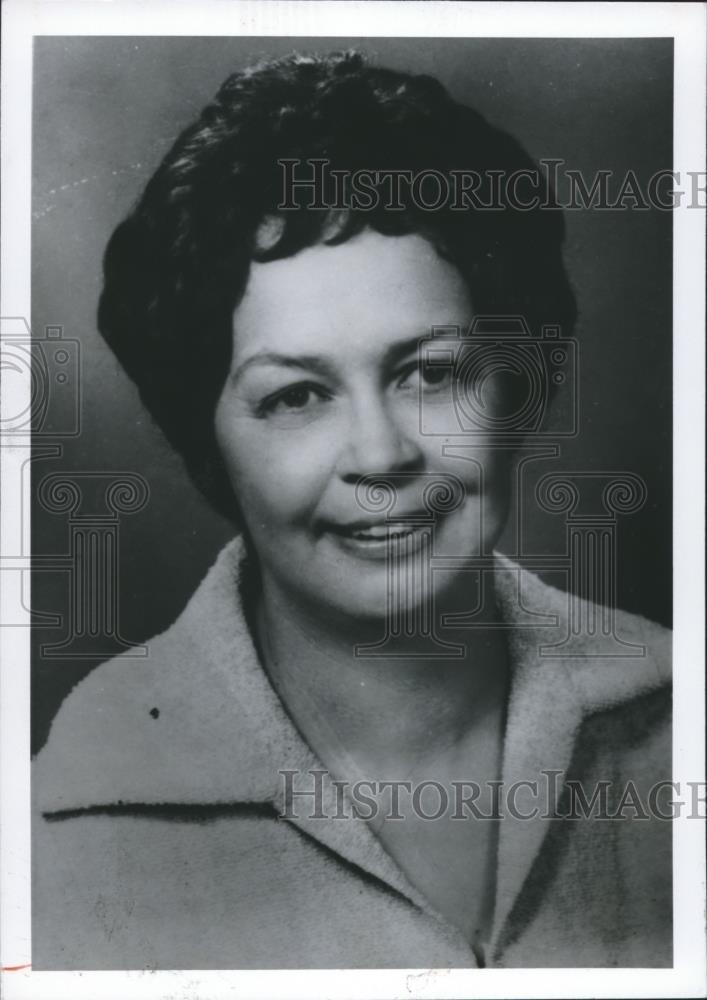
pixel 378 442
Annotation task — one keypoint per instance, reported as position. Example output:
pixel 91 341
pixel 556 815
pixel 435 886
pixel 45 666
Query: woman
pixel 265 791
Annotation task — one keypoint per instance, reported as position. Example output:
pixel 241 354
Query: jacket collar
pixel 206 727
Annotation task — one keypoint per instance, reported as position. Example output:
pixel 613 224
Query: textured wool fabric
pixel 158 840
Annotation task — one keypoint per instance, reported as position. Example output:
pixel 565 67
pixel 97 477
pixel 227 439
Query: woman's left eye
pixel 426 377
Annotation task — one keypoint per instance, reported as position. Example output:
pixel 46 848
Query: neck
pixel 376 714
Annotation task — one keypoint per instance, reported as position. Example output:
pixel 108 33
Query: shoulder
pixel 608 669
pixel 529 589
pixel 121 704
pixel 589 637
pixel 148 729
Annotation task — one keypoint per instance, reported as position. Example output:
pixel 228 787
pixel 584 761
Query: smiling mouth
pixel 377 537
pixel 377 532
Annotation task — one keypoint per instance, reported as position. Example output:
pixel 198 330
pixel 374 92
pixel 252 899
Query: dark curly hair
pixel 177 267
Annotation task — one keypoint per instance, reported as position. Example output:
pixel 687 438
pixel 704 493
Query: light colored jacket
pixel 157 842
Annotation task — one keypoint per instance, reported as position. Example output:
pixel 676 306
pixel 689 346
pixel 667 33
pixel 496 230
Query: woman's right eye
pixel 295 398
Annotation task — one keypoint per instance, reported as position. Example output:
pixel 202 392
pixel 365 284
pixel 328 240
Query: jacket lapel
pixel 543 721
pixel 550 698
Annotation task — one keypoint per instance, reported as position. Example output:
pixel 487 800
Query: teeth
pixel 380 532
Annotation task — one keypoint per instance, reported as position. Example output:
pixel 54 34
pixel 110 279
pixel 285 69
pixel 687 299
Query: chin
pixel 365 597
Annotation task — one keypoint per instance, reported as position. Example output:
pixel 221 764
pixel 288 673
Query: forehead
pixel 369 291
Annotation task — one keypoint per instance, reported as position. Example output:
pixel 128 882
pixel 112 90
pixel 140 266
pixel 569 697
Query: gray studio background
pixel 105 112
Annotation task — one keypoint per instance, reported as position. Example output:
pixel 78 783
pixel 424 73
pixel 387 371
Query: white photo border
pixel 685 23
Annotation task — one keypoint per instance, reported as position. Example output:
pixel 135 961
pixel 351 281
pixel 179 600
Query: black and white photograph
pixel 353 461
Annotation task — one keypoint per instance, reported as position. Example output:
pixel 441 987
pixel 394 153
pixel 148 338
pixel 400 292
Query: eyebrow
pixel 317 363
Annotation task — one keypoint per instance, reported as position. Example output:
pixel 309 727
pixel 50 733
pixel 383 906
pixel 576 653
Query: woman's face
pixel 326 387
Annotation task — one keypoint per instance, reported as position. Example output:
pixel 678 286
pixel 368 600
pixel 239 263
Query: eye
pixel 425 377
pixel 294 399
pixel 435 374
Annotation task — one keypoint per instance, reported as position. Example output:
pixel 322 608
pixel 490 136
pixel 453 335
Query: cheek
pixel 278 476
pixel 471 458
pixel 483 469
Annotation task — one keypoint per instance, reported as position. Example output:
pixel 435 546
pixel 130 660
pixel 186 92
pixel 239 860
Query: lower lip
pixel 376 549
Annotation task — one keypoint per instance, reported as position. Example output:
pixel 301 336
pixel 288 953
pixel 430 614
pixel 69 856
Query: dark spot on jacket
pixel 155 713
